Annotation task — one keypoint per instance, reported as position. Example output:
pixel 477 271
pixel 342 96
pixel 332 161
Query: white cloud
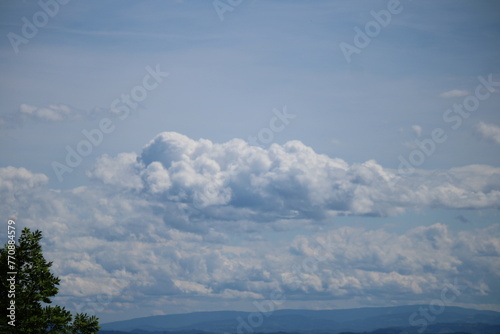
pixel 350 260
pixel 13 180
pixel 454 93
pixel 19 189
pixel 169 225
pixel 121 171
pixel 489 131
pixel 234 181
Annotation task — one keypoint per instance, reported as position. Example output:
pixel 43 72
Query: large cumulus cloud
pixel 234 180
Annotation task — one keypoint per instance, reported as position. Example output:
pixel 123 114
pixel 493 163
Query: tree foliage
pixel 35 285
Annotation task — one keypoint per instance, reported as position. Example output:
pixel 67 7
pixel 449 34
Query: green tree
pixel 34 287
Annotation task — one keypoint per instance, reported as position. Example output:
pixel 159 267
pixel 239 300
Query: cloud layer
pixel 187 222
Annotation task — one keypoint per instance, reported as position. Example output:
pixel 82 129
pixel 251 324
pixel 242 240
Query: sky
pixel 184 156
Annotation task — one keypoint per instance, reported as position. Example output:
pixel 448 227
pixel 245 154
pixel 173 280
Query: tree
pixel 27 287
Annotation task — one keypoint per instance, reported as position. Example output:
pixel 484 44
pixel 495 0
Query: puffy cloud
pixel 235 181
pixel 490 132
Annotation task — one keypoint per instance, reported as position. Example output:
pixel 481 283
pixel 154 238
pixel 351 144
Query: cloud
pixel 29 113
pixel 53 113
pixel 13 180
pixel 347 260
pixel 50 113
pixel 184 219
pixel 489 131
pixel 454 93
pixel 19 189
pixel 120 171
pixel 152 247
pixel 234 181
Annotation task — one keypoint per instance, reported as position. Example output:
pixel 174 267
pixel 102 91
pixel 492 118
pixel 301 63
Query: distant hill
pixel 454 319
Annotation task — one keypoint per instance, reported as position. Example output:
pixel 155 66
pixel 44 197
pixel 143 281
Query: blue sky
pixel 208 220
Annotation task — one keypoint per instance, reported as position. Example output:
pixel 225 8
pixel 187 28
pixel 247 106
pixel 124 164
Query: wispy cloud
pixel 53 113
pixel 30 113
pixel 454 93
